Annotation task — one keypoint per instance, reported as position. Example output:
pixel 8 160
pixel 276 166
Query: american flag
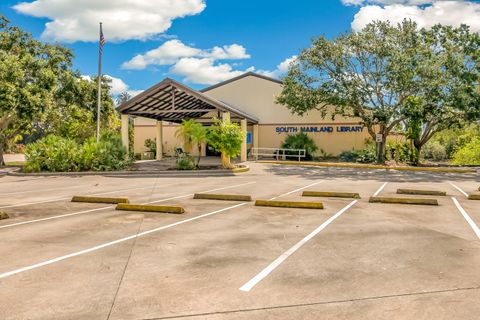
pixel 102 39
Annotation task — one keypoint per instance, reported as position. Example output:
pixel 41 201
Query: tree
pixel 73 111
pixel 192 133
pixel 371 74
pixel 123 97
pixel 447 71
pixel 29 79
pixel 227 138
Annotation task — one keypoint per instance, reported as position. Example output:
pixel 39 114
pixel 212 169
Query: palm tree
pixel 192 133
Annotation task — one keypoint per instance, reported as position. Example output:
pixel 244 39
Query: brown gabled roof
pixel 172 101
pixel 246 74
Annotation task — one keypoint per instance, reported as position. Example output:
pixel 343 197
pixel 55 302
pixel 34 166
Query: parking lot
pixel 234 260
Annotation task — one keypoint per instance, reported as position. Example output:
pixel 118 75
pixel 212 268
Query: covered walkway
pixel 172 101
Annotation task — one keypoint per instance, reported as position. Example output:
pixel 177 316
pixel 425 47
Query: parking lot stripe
pixel 111 207
pixel 296 190
pixel 265 272
pixel 467 217
pixel 43 190
pixel 69 197
pixel 459 189
pixel 379 189
pixel 111 243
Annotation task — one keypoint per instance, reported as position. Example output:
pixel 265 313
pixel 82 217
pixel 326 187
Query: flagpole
pixel 99 79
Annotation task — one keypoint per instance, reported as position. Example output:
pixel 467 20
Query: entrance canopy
pixel 172 101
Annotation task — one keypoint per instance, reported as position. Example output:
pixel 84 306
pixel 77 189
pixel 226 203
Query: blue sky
pixel 203 42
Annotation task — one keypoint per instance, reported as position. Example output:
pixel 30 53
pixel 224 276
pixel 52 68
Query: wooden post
pixel 159 138
pixel 226 116
pixel 125 140
pixel 255 139
pixel 243 148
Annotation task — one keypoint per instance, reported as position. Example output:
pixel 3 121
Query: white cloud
pixel 117 85
pixel 168 53
pixel 281 69
pixel 204 70
pixel 451 13
pixel 386 2
pixel 74 20
pixel 233 51
pixel 172 51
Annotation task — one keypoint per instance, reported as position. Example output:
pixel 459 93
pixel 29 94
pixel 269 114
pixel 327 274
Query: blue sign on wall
pixel 249 137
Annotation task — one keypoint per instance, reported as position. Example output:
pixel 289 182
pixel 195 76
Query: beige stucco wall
pixel 145 129
pixel 256 97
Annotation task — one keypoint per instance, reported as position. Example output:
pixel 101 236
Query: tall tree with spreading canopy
pixel 41 94
pixel 29 77
pixel 381 75
pixel 447 73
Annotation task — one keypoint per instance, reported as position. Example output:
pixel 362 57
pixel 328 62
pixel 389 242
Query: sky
pixel 203 42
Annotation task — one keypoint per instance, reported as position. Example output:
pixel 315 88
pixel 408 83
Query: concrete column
pixel 243 148
pixel 124 120
pixel 226 116
pixel 159 140
pixel 255 137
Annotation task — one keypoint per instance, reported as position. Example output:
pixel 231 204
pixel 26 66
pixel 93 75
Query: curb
pixel 166 173
pixel 149 208
pixel 422 192
pixel 415 201
pixel 363 166
pixel 289 204
pixel 232 197
pixel 353 195
pixel 99 199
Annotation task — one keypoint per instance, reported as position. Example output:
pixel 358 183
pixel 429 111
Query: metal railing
pixel 278 153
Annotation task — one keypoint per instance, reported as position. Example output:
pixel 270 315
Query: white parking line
pixel 108 244
pixel 296 190
pixel 379 189
pixel 459 189
pixel 111 207
pixel 467 217
pixel 43 190
pixel 272 266
pixel 66 198
pixel 75 254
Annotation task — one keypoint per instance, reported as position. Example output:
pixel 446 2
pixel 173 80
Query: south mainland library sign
pixel 319 129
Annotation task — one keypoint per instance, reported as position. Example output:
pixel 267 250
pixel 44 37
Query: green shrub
pixel 349 156
pixel 433 150
pixel 185 162
pixel 151 145
pixel 56 154
pixel 53 154
pixel 365 155
pixel 300 141
pixel 468 154
pixel 106 155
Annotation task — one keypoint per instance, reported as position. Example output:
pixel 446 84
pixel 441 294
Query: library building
pixel 248 100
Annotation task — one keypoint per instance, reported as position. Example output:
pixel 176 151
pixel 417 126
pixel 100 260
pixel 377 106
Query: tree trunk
pixel 417 145
pixel 2 161
pixel 226 161
pixel 199 155
pixel 381 148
